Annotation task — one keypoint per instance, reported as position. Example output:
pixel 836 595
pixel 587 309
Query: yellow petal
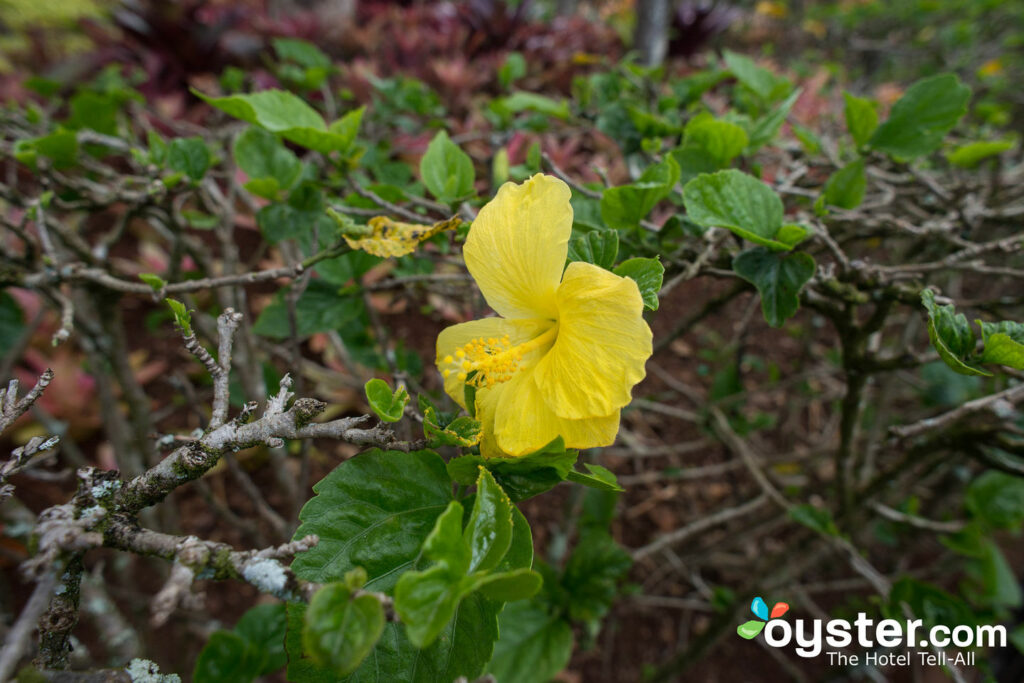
pixel 603 343
pixel 391 238
pixel 517 246
pixel 523 422
pixel 455 337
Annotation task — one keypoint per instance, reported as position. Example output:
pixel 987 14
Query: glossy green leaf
pixel 462 431
pixel 951 335
pixel 283 113
pixel 528 101
pixel 741 203
pixel 996 499
pixel 922 117
pixel 228 658
pixel 593 573
pixel 766 128
pixel 761 81
pixel 182 316
pixel 861 117
pixel 260 154
pixel 845 188
pixel 263 626
pixel 521 477
pixel 489 530
pixel 372 511
pixel 599 247
pixel 1004 343
pixel 341 629
pixel 721 140
pixel 190 156
pixel 648 274
pixel 625 206
pixel 779 277
pixel 596 477
pixel 518 584
pixel 530 634
pixel 427 600
pixel 388 406
pixel 972 154
pixel 446 170
pixel 375 511
pixel 819 519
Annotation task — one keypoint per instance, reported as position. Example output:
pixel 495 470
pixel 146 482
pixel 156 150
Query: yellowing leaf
pixel 391 238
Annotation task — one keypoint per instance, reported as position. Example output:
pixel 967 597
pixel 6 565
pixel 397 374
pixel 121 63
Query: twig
pixel 17 639
pixel 11 408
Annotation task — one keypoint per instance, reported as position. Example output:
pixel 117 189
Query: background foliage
pixel 820 203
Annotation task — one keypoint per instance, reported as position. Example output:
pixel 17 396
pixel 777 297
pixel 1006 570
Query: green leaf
pixel 972 154
pixel 761 81
pixel 12 321
pixel 1004 343
pixel 320 308
pixel 446 170
pixel 463 431
pixel 996 499
pixel 301 52
pixel 263 626
pixel 283 113
pixel 778 277
pixel 741 203
pixel 518 584
pixel 846 187
pixel 513 69
pixel 182 316
pixel 593 572
pixel 922 117
pixel 261 155
pixel 951 335
pixel 446 543
pixel 388 406
pixel 347 127
pixel 190 156
pixel 521 477
pixel 426 601
pixel 375 511
pixel 648 274
pixel 528 101
pixel 597 477
pixel 722 141
pixel 750 629
pixel 61 146
pixel 489 530
pixel 624 207
pixel 530 634
pixel 819 519
pixel 861 118
pixel 154 281
pixel 341 630
pixel 227 657
pixel 767 127
pixel 599 247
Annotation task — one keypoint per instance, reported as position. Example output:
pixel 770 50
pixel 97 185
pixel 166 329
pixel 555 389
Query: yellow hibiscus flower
pixel 568 348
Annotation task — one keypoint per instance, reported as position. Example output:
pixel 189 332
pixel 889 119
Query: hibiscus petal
pixel 517 247
pixel 524 423
pixel 454 337
pixel 603 343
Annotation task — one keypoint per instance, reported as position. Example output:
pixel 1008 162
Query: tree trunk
pixel 651 37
